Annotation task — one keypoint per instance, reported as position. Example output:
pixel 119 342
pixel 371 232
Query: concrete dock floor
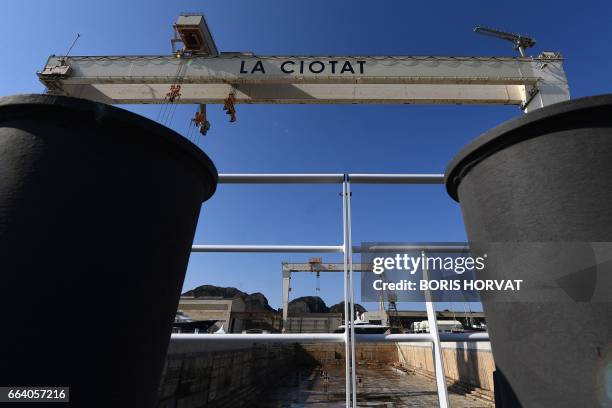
pixel 378 386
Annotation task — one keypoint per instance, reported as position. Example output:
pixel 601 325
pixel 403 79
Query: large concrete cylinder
pixel 536 194
pixel 98 210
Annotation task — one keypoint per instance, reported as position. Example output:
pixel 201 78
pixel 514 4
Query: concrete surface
pixel 378 386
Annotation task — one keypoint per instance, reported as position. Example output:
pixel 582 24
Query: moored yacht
pixel 363 326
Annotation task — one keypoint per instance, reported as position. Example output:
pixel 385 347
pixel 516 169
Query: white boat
pixel 363 326
pixel 444 326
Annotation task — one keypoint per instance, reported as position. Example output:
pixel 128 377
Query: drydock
pixel 302 375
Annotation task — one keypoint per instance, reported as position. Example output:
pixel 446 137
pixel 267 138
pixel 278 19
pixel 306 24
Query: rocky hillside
pixel 258 302
pixel 308 304
pixel 314 304
pixel 339 308
pixel 254 301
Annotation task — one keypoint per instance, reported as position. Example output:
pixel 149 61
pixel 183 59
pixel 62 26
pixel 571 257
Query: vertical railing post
pixel 351 288
pixel 345 250
pixel 435 336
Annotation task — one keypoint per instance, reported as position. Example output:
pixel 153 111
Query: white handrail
pixel 326 338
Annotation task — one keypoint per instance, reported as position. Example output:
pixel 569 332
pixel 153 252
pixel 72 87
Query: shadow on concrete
pixel 466 361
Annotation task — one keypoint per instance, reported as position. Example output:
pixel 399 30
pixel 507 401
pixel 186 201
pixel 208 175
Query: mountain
pixel 308 304
pixel 314 304
pixel 339 308
pixel 254 302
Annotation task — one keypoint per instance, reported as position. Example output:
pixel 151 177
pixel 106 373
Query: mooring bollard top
pixel 583 112
pixel 27 105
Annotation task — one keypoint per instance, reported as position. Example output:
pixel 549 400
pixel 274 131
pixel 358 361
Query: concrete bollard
pixel 536 194
pixel 98 210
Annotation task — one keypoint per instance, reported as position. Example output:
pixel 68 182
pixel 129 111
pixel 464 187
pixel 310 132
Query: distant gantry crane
pixel 198 73
pixel 315 265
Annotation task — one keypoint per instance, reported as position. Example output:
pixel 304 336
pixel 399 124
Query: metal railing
pixel 349 338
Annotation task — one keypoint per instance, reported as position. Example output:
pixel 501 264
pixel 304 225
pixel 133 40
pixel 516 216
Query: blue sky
pixel 310 138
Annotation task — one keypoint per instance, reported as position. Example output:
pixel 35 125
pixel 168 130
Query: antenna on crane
pixel 63 59
pixel 73 43
pixel 520 42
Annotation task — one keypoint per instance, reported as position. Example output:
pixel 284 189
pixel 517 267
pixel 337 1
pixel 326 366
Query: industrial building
pixel 234 316
pixel 222 310
pixel 313 322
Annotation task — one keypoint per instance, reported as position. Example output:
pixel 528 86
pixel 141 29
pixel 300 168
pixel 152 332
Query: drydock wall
pixel 468 366
pixel 222 375
pixel 326 353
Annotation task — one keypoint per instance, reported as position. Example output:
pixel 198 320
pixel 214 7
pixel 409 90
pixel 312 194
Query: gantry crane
pixel 315 265
pixel 199 74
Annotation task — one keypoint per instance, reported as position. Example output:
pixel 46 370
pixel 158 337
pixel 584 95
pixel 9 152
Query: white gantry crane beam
pixel 529 82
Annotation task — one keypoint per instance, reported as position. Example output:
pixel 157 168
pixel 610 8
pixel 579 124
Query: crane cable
pixel 191 131
pixel 168 108
pixel 175 92
pixel 200 123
